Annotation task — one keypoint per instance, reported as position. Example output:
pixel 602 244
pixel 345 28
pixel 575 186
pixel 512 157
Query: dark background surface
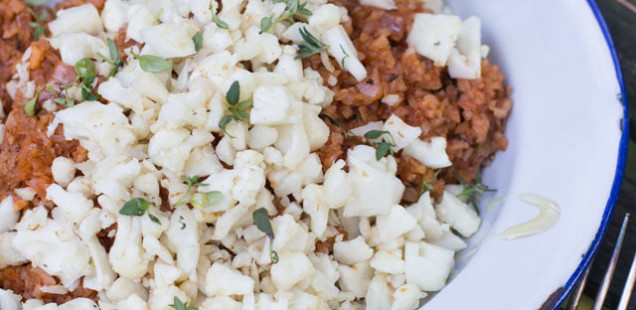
pixel 621 20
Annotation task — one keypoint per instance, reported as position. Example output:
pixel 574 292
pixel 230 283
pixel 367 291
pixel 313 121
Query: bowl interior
pixel 564 132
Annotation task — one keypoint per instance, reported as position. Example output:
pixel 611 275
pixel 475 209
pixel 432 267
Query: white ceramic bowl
pixel 568 142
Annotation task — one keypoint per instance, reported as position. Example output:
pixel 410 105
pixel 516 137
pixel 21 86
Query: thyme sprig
pixel 426 184
pixel 310 44
pixel 384 147
pixel 38 24
pixel 114 59
pixel 138 207
pixel 238 110
pixel 473 191
pixel 292 7
pixel 261 220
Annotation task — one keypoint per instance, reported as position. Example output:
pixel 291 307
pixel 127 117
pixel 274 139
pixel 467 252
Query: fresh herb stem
pixel 473 191
pixel 426 185
pixel 138 207
pixel 261 220
pixel 238 110
pixel 310 44
pixel 346 55
pixel 177 304
pixel 381 147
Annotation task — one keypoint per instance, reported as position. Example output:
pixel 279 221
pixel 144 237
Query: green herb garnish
pixel 261 220
pixel 219 23
pixel 38 24
pixel 155 21
pixel 198 200
pixel 183 224
pixel 345 133
pixel 267 23
pixel 29 107
pixel 426 186
pixel 138 207
pixel 342 61
pixel 85 70
pixel 114 59
pixel 197 38
pixel 37 2
pixel 237 109
pixel 177 304
pixel 202 200
pixel 152 63
pixel 292 7
pixel 437 43
pixel 192 182
pixel 310 44
pixel 382 147
pixel 473 191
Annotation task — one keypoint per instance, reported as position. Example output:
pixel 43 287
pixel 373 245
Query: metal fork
pixel 602 292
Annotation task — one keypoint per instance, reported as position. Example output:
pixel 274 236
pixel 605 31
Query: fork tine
pixel 578 291
pixel 629 286
pixel 602 293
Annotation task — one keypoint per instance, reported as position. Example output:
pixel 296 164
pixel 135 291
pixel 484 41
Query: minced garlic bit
pixel 261 200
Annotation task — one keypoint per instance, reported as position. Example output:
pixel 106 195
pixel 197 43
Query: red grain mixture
pixel 470 114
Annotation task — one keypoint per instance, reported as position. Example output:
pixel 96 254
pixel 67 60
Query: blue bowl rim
pixel 620 165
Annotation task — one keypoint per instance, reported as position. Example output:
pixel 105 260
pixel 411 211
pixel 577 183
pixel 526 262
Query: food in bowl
pixel 241 154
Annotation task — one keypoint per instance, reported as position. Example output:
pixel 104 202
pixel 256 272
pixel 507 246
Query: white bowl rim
pixel 620 169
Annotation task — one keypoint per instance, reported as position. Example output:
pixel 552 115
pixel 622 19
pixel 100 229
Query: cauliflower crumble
pixel 212 117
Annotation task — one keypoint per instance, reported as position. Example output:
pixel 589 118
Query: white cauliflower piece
pixel 459 215
pixel 337 186
pixel 78 19
pixel 273 105
pixel 220 303
pixel 223 280
pixel 356 278
pixel 402 133
pixel 292 267
pixel 393 225
pixel 374 191
pixel 407 297
pixel 465 60
pixel 378 295
pixel 317 130
pixel 388 261
pixel 78 304
pixel 75 46
pixel 324 17
pixel 432 154
pixel 170 40
pixel 290 235
pixel 340 47
pixel 8 216
pixel 293 143
pixel 434 36
pixel 9 300
pixel 51 245
pixel 127 255
pixel 261 136
pixel 74 205
pixel 123 288
pixel 383 4
pixel 183 239
pixel 352 252
pixel 114 175
pixel 316 208
pixel 9 256
pixel 427 266
pixel 63 170
pixel 104 125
